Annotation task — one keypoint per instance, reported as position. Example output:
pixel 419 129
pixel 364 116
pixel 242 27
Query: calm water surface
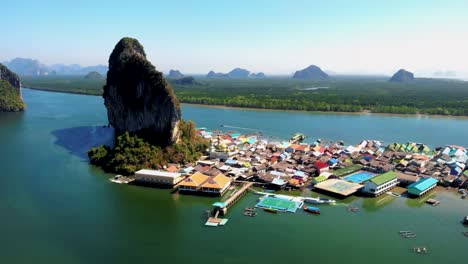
pixel 55 208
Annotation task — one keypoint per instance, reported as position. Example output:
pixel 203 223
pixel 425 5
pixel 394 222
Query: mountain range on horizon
pixel 31 67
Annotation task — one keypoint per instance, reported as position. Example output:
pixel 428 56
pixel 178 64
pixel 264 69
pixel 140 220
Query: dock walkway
pixel 224 206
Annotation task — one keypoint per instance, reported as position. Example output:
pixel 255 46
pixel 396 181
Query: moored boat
pixel 271 210
pixel 319 200
pixel 298 137
pixel 465 220
pixel 311 209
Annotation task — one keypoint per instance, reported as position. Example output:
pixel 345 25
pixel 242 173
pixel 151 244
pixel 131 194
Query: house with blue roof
pixel 422 186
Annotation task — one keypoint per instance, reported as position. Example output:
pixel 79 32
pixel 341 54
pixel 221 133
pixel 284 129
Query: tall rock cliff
pixel 10 91
pixel 138 98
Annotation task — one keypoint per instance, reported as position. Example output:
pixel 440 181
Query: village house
pixel 381 184
pixel 158 177
pixel 422 186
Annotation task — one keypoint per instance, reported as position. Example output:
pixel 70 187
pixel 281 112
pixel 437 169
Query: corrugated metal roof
pixel 423 184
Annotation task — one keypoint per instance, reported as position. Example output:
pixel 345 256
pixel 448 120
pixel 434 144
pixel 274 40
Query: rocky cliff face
pixel 402 76
pixel 11 77
pixel 138 98
pixel 10 91
pixel 311 73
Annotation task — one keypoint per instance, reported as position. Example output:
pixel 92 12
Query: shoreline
pixel 362 113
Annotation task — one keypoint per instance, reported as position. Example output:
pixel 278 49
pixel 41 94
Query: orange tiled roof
pixel 194 180
pixel 216 182
pixel 172 169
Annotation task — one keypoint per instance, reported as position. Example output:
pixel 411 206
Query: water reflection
pixel 78 140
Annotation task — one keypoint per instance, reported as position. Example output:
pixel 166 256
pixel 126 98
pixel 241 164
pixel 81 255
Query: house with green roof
pixel 381 184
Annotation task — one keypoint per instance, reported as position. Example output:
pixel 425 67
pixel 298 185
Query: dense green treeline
pixel 345 94
pixel 132 153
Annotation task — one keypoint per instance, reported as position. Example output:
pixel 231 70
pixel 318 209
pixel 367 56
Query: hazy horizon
pixel 277 38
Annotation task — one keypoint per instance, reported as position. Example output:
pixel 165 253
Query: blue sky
pixel 276 37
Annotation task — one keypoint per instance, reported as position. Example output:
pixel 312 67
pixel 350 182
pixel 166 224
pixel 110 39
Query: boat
pixel 311 209
pixel 394 194
pixel 420 250
pixel 249 209
pixel 250 213
pixel 465 220
pixel 319 200
pixel 298 137
pixel 313 201
pixel 270 210
pixel 327 201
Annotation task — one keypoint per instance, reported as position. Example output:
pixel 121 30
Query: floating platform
pixel 279 204
pixel 360 176
pixel 432 202
pixel 213 221
pixel 338 187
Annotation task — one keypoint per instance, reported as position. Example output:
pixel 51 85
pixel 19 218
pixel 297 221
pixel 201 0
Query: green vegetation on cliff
pixel 132 153
pixel 10 101
pixel 10 91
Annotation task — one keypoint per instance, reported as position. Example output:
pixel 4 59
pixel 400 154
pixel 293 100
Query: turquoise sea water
pixel 55 208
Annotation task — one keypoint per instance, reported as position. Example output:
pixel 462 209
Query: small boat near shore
pixel 318 200
pixel 271 210
pixel 312 210
pixel 465 220
pixel 394 194
pixel 420 250
pixel 250 213
pixel 407 234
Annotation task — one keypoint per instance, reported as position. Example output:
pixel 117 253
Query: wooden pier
pixel 222 208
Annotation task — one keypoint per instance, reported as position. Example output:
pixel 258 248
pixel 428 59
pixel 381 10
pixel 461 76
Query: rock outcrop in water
pixel 10 91
pixel 402 76
pixel 138 98
pixel 311 73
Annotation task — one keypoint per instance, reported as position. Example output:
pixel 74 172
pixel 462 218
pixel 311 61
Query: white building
pixel 158 177
pixel 381 184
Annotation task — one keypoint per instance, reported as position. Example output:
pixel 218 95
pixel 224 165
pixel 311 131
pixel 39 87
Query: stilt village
pixel 273 168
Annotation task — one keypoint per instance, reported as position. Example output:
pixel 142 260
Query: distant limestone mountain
pixel 189 80
pixel 213 74
pixel 257 75
pixel 76 69
pixel 402 76
pixel 10 91
pixel 311 73
pixel 175 74
pixel 30 67
pixel 94 75
pixel 238 73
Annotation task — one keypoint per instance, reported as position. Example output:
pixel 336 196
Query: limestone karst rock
pixel 138 98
